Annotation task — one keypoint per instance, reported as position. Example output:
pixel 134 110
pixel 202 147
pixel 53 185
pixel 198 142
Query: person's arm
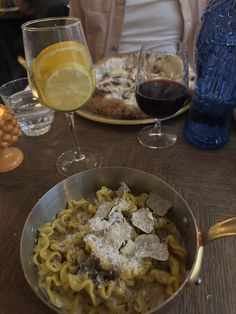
pixel 48 8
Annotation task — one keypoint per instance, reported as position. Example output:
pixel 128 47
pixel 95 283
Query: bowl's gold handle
pixel 220 229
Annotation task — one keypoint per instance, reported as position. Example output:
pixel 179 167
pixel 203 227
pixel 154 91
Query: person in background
pixel 11 45
pixel 9 68
pixel 24 6
pixel 43 8
pixel 11 42
pixel 120 26
pixel 7 3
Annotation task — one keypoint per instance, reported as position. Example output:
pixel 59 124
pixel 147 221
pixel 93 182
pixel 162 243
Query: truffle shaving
pixel 122 189
pixel 159 206
pixel 143 220
pixel 149 245
pixel 104 208
pixel 128 249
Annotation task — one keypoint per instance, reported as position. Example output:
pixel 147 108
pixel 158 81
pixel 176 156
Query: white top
pixel 148 20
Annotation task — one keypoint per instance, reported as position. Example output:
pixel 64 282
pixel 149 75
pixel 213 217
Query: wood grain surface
pixel 206 179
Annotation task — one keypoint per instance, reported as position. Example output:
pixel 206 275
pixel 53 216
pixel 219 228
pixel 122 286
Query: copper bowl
pixel 84 185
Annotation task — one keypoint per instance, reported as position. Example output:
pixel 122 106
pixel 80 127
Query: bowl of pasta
pixel 113 240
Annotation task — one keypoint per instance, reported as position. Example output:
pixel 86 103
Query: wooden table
pixel 206 179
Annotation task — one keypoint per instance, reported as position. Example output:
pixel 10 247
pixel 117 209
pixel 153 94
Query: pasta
pixel 110 255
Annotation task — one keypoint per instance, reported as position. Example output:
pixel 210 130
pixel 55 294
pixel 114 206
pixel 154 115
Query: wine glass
pixel 62 77
pixel 161 89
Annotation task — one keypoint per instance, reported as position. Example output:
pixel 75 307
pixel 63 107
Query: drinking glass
pixel 33 117
pixel 161 89
pixel 62 77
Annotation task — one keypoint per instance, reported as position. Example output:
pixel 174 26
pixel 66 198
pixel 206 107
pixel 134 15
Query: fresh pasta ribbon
pixel 53 262
pixel 58 246
pixel 140 304
pixel 175 268
pixel 105 290
pixel 130 197
pixel 78 204
pixel 58 227
pixel 119 289
pixel 164 223
pixel 68 211
pixel 175 245
pixel 66 269
pixel 114 307
pixel 65 218
pixel 46 230
pixel 104 195
pixel 54 279
pixel 164 278
pixel 91 208
pixel 77 284
pixel 42 245
pixel 140 200
pixel 37 260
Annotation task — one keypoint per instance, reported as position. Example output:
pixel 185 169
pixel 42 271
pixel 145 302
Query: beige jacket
pixel 102 21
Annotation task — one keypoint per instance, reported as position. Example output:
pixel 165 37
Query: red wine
pixel 161 98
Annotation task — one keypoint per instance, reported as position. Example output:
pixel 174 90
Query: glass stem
pixel 71 120
pixel 157 130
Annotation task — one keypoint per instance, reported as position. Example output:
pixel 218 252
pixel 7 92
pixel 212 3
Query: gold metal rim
pixel 221 229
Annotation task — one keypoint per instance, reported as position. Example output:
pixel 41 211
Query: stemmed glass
pixel 161 89
pixel 62 77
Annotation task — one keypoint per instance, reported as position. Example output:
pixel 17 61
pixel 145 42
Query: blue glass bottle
pixel 209 119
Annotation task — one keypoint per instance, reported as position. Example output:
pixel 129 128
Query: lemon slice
pixel 63 75
pixel 67 87
pixel 61 53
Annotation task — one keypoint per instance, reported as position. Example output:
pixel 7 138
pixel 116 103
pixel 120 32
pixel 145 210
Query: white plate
pixel 86 113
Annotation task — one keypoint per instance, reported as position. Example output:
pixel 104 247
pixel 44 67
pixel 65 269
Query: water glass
pixel 33 117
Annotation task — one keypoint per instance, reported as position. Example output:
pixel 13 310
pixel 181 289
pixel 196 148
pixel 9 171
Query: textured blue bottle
pixel 208 122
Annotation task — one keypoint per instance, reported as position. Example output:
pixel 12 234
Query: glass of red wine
pixel 161 89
